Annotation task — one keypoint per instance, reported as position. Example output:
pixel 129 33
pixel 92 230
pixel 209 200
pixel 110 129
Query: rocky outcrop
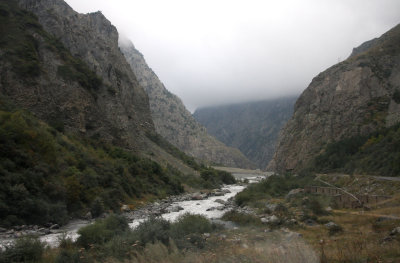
pixel 355 97
pixel 174 122
pixel 111 105
pixel 252 127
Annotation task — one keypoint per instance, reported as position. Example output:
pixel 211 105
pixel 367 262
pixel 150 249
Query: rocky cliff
pixel 251 127
pixel 355 97
pixel 83 81
pixel 174 122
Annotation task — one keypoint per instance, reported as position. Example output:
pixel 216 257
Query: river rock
pixel 220 201
pixel 174 209
pixel 198 196
pixel 55 226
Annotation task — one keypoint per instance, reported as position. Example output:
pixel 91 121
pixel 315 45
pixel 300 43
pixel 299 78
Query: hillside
pixel 66 68
pixel 355 98
pixel 174 122
pixel 251 127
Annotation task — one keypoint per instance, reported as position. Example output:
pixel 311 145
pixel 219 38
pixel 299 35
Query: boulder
pixel 220 201
pixel 55 226
pixel 174 209
pixel 198 196
pixel 271 207
pixel 395 231
pixel 125 208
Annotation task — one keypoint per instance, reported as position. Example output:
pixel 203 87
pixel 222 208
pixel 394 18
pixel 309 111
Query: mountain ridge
pixel 354 97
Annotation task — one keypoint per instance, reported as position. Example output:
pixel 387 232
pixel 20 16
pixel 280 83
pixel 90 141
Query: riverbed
pixel 212 205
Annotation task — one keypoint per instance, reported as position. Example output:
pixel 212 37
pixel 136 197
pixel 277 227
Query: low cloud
pixel 217 52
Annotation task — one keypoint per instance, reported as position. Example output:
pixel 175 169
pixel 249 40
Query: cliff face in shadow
pixel 353 98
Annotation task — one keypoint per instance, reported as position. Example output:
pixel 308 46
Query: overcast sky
pixel 212 52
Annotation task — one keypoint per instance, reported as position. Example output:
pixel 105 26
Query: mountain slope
pixel 116 108
pixel 251 127
pixel 354 98
pixel 174 122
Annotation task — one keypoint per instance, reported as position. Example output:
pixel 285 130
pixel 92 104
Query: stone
pixel 271 207
pixel 88 216
pixel 55 226
pixel 198 196
pixel 174 209
pixel 395 231
pixel 331 224
pixel 273 219
pixel 220 201
pixel 125 208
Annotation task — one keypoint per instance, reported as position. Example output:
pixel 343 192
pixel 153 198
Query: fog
pixel 218 52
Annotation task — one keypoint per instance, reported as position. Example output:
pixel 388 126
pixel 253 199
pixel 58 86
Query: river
pixel 207 207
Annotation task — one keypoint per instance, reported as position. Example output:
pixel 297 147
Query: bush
pixel 274 186
pixel 315 206
pixel 190 224
pixel 152 230
pixel 26 249
pixel 335 229
pixel 241 218
pixel 102 230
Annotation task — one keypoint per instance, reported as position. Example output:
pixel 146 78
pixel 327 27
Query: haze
pixel 218 52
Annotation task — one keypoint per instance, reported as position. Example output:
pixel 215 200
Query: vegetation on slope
pixel 377 154
pixel 46 175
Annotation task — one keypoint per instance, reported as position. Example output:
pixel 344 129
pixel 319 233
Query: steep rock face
pixel 251 127
pixel 355 97
pixel 116 108
pixel 174 122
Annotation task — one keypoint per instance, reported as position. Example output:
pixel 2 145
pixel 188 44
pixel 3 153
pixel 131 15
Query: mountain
pixel 79 77
pixel 174 122
pixel 50 173
pixel 67 69
pixel 353 99
pixel 252 127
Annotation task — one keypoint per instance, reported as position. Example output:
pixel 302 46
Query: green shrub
pixel 190 224
pixel 242 219
pixel 316 207
pixel 26 249
pixel 102 230
pixel 274 186
pixel 152 230
pixel 335 229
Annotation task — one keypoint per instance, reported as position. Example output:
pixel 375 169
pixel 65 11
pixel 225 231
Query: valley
pixel 101 162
